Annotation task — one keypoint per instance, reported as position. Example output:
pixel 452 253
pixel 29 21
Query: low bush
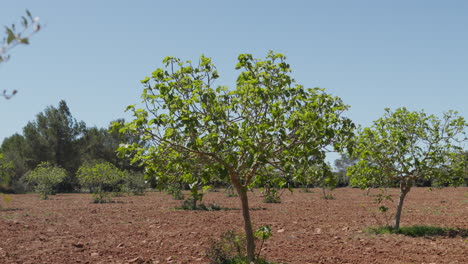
pixel 420 231
pixel 6 200
pixel 188 204
pixel 231 247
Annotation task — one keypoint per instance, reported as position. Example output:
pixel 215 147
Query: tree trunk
pixel 249 235
pixel 194 204
pixel 404 189
pixel 368 191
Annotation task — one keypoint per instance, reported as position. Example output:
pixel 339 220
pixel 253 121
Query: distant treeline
pixel 58 138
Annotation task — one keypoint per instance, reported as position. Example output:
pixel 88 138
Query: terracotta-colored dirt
pixel 68 228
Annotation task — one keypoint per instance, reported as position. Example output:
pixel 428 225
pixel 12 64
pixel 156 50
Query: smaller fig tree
pixel 101 179
pixel 404 146
pixel 46 177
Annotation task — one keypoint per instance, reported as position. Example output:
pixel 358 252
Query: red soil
pixel 68 228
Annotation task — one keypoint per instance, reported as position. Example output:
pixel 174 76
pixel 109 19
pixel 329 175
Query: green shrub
pixel 188 204
pixel 6 200
pixel 46 177
pixel 420 231
pixel 231 247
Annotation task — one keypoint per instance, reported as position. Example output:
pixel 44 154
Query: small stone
pixel 121 245
pixel 281 230
pixel 94 254
pixel 78 245
pixel 169 258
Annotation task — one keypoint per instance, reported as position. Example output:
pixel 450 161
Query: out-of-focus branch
pixel 29 26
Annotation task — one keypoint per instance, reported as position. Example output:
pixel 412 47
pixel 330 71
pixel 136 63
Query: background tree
pixel 102 144
pixel 15 36
pixel 53 137
pixel 188 170
pixel 266 120
pixel 6 169
pixel 272 182
pixel 342 164
pixel 101 179
pixel 46 178
pixel 14 149
pixel 326 180
pixel 404 146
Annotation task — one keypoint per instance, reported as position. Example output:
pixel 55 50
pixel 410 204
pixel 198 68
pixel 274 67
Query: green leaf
pixel 10 35
pixel 145 80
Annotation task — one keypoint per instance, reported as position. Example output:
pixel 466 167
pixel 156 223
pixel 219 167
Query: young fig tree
pixel 404 146
pixel 101 178
pixel 46 177
pixel 266 120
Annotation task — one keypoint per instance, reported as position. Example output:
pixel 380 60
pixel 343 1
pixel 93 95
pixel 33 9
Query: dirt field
pixel 68 228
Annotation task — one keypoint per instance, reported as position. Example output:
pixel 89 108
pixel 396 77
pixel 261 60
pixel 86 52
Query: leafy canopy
pixel 46 177
pixel 99 174
pixel 266 119
pixel 409 145
pixel 100 178
pixel 405 146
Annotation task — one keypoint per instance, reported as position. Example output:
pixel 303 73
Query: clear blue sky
pixel 372 54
